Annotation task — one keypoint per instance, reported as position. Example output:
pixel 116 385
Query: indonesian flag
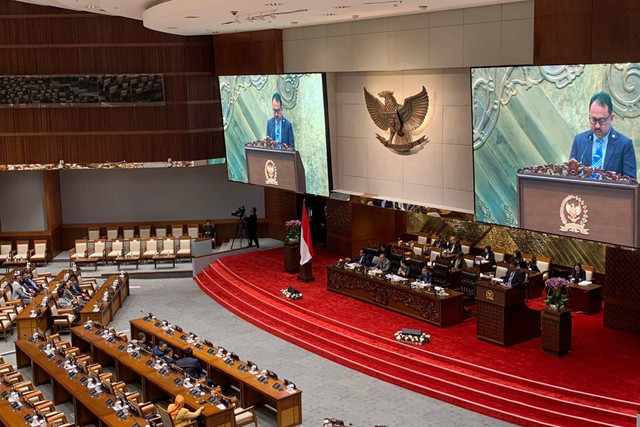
pixel 306 246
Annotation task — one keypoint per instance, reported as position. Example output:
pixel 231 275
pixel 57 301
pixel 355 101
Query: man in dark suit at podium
pixel 603 147
pixel 279 128
pixel 515 276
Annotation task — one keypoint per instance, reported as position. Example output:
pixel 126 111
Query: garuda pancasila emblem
pixel 398 119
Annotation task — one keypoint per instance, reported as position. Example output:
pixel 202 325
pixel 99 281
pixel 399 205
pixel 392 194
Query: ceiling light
pixel 342 7
pixel 273 4
pixel 172 28
pixel 329 14
pixel 294 22
pixel 191 17
pixel 423 7
pixel 91 6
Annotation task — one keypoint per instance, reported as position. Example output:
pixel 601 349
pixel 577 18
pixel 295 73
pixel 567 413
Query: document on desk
pixel 221 406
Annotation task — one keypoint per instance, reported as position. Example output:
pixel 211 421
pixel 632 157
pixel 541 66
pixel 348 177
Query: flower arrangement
pixel 412 339
pixel 291 295
pixel 292 230
pixel 555 286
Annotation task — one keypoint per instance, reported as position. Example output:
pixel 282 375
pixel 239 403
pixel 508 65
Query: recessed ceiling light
pixel 329 14
pixel 342 7
pixel 191 17
pixel 294 22
pixel 91 6
pixel 423 7
pixel 273 4
pixel 172 28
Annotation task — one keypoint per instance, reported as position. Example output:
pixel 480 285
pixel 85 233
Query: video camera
pixel 239 212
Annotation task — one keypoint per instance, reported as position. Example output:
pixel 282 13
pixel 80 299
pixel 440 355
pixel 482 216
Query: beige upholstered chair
pixel 56 419
pixel 116 249
pixel 11 311
pixel 145 231
pixel 176 230
pixel 6 368
pixel 151 248
pixel 22 249
pixel 161 231
pixel 61 317
pixel 24 387
pixel 184 247
pixel 134 248
pixel 588 270
pixel 93 233
pixel 193 231
pixel 167 421
pixel 417 250
pixel 435 253
pixel 501 270
pixel 79 251
pixel 499 254
pixel 244 416
pixel 34 396
pixel 44 407
pixel 112 233
pixel 39 251
pixel 99 249
pixel 168 246
pixel 543 264
pixel 469 260
pixel 6 250
pixel 128 232
pixel 465 245
pixel 422 239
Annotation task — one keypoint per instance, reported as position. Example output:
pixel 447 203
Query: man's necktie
pixel 277 131
pixel 597 161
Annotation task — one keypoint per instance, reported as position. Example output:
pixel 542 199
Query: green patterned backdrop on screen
pixel 246 108
pixel 526 116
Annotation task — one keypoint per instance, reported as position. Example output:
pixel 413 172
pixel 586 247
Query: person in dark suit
pixel 190 364
pixel 279 128
pixel 578 274
pixel 515 276
pixel 458 262
pixel 439 242
pixel 252 228
pixel 363 259
pixel 489 255
pixel 168 356
pixel 209 231
pixel 158 350
pixel 403 270
pixel 603 147
pixel 425 275
pixel 533 265
pixel 454 246
pixel 517 256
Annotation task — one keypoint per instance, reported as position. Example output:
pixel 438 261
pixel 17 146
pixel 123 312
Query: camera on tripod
pixel 239 212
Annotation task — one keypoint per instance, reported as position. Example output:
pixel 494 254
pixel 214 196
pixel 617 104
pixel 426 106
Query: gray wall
pixel 22 201
pixel 136 195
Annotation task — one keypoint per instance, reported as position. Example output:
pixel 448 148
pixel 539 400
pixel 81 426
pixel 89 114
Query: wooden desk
pixel 26 324
pixel 9 417
pixel 252 392
pixel 87 261
pixel 87 409
pixel 107 310
pixel 120 260
pixel 423 305
pixel 587 299
pixel 163 259
pixel 14 263
pixel 155 386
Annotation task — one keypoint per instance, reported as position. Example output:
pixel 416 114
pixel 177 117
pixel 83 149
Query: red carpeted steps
pixel 400 364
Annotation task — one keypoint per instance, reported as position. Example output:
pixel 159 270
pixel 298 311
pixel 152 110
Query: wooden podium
pixel 562 199
pixel 278 168
pixel 502 316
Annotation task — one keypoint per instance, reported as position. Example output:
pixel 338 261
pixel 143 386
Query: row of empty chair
pixel 143 231
pixel 24 250
pixel 105 250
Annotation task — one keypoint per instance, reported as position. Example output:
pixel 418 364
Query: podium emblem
pixel 574 215
pixel 270 172
pixel 489 295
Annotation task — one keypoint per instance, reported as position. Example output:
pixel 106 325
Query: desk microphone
pixel 584 150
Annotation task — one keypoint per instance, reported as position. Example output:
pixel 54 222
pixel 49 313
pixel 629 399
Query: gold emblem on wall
pixel 398 119
pixel 574 215
pixel 489 295
pixel 270 173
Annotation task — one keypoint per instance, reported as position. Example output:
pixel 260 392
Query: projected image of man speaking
pixel 603 147
pixel 279 128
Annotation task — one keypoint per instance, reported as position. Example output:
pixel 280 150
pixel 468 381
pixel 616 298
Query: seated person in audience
pixel 458 262
pixel 168 356
pixel 425 275
pixel 404 269
pixel 79 300
pixel 515 276
pixel 383 263
pixel 533 265
pixel 77 291
pixel 28 279
pixel 578 274
pixel 180 415
pixel 209 231
pixel 141 341
pixel 384 249
pixel 64 302
pixel 454 246
pixel 363 259
pixel 22 292
pixel 517 255
pixel 191 366
pixel 489 255
pixel 439 242
pixel 159 349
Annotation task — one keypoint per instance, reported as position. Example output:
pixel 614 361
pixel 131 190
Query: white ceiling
pixel 197 17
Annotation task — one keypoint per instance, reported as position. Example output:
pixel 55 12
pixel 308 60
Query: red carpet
pixel 597 384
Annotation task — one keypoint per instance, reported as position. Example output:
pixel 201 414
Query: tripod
pixel 241 231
